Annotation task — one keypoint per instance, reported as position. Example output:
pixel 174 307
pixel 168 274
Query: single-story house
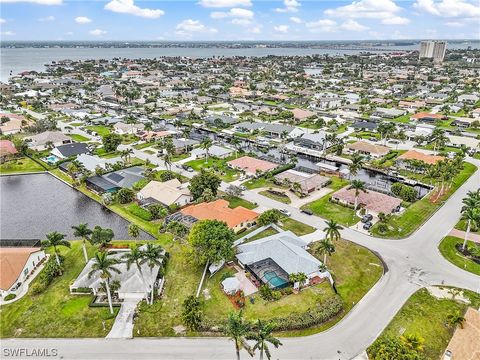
pixel 41 141
pixel 122 128
pixel 91 162
pixel 237 219
pixel 272 259
pixel 427 117
pixel 315 141
pixel 17 264
pixel 301 114
pixel 373 201
pixel 424 130
pixel 116 180
pixel 464 343
pixel 251 166
pixel 308 182
pixel 214 151
pixel 69 150
pixel 364 126
pixel 131 284
pixel 463 122
pixel 12 123
pixel 411 106
pixel 171 192
pixel 281 131
pixel 149 135
pixel 403 160
pixel 7 150
pixel 388 113
pixel 246 126
pixel 183 145
pixel 366 148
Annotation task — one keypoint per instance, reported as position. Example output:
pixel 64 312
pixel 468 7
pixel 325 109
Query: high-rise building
pixel 433 50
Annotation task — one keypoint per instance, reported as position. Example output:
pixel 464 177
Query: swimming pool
pixel 52 159
pixel 273 279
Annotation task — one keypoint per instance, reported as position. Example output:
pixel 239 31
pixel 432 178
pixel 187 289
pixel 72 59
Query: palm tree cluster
pixel 471 213
pixel 443 173
pixel 241 331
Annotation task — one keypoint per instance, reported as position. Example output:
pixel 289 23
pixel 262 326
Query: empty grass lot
pixel 22 165
pixel 78 138
pixel 100 129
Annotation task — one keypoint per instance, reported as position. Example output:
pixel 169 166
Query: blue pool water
pixel 52 159
pixel 273 279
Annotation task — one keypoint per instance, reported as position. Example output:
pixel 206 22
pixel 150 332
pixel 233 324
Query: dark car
pixel 367 218
pixel 367 225
pixel 307 211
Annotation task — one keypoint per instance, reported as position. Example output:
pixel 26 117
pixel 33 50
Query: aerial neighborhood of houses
pixel 199 187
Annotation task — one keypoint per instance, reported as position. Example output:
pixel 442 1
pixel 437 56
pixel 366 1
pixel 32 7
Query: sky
pixel 186 20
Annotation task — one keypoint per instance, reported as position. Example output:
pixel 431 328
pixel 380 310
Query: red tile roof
pixel 7 147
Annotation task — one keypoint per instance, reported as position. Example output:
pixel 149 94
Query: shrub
pixel 382 228
pixel 167 175
pixel 124 196
pixel 136 210
pixel 392 348
pixel 268 294
pixel 404 192
pixel 10 297
pixel 157 211
pixel 51 270
pixel 38 288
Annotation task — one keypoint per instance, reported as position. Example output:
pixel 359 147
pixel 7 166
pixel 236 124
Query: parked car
pixel 285 212
pixel 242 187
pixel 447 355
pixel 367 218
pixel 307 211
pixel 367 225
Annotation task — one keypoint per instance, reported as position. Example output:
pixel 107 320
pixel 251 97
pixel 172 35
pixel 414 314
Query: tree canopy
pixel 203 181
pixel 211 241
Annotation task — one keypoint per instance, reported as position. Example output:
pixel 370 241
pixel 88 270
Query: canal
pixel 34 205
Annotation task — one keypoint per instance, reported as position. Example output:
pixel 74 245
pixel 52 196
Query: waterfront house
pixel 281 131
pixel 307 183
pixel 171 192
pixel 122 128
pixel 115 180
pixel 251 166
pixel 366 148
pixel 372 201
pixel 214 151
pixel 404 161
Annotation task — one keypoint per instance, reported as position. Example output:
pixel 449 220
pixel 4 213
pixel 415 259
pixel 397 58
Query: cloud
pixel 39 2
pixel 129 7
pixel 189 26
pixel 47 19
pixel 454 24
pixel 97 32
pixel 366 9
pixel 233 13
pixel 257 29
pixel 281 28
pixel 7 33
pixel 396 20
pixel 224 3
pixel 82 20
pixel 296 20
pixel 352 25
pixel 449 8
pixel 322 25
pixel 290 6
pixel 2 21
pixel 69 33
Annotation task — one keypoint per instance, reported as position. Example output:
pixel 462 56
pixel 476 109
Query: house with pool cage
pixel 272 259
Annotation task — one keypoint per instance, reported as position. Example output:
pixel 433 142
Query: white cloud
pixel 396 20
pixel 97 32
pixel 2 21
pixel 296 20
pixel 224 3
pixel 47 19
pixel 449 8
pixel 7 33
pixel 233 13
pixel 242 22
pixel 82 20
pixel 352 25
pixel 290 6
pixel 39 2
pixel 129 7
pixel 281 28
pixel 322 25
pixel 366 9
pixel 257 29
pixel 189 26
pixel 69 33
pixel 454 24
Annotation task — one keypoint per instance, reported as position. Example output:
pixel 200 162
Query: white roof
pixel 231 285
pixel 213 151
pixel 167 192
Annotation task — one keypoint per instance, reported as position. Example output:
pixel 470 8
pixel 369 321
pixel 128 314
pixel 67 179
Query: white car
pixel 285 212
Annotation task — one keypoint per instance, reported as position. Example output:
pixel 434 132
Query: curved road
pixel 413 263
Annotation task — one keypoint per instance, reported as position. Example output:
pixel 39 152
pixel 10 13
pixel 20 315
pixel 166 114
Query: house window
pixel 25 271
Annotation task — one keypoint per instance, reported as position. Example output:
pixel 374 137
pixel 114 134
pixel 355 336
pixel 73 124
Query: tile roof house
pixel 14 124
pixel 215 151
pixel 236 219
pixel 373 201
pixel 7 149
pixel 251 165
pixel 425 116
pixel 366 148
pixel 308 182
pixel 464 343
pixel 16 264
pixel 123 128
pixel 68 150
pixel 39 141
pixel 168 193
pixel 300 114
pixel 419 156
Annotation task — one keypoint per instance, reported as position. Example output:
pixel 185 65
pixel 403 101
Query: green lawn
pixel 425 316
pixel 20 166
pixel 259 183
pixel 405 119
pixel 56 313
pixel 100 129
pixel 326 209
pixel 217 165
pixel 281 198
pixel 78 138
pixel 297 227
pixel 143 146
pixel 449 252
pixel 417 213
pixel 236 201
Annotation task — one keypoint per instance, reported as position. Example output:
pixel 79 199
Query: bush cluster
pixel 404 192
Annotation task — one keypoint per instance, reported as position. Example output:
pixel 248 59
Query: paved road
pixel 412 263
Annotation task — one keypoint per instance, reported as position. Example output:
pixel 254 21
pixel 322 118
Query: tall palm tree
pixel 358 185
pixel 472 200
pixel 83 231
pixel 324 247
pixel 135 257
pixel 262 336
pixel 104 265
pixel 237 329
pixel 472 216
pixel 332 230
pixel 235 142
pixel 152 255
pixel 206 144
pixel 356 164
pixel 167 160
pixel 55 239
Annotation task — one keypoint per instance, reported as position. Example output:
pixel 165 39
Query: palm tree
pixel 455 319
pixel 55 239
pixel 152 255
pixel 167 160
pixel 324 247
pixel 412 341
pixel 83 231
pixel 262 336
pixel 332 231
pixel 235 142
pixel 237 329
pixel 358 185
pixel 206 144
pixel 104 264
pixel 133 230
pixel 356 164
pixel 472 216
pixel 135 257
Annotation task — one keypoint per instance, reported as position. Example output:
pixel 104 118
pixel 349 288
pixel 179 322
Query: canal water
pixel 34 205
